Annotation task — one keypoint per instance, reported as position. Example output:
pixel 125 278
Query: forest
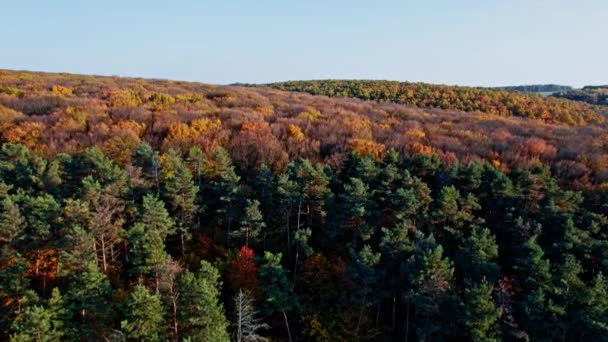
pixel 538 88
pixel 488 100
pixel 155 210
pixel 596 95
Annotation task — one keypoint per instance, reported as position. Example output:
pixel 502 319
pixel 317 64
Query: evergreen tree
pixel 201 315
pixel 14 283
pixel 34 322
pixel 148 160
pixel 147 238
pixel 224 188
pixel 11 221
pixel 365 273
pixel 431 279
pixel 534 281
pixel 89 304
pixel 480 312
pixel 252 223
pixel 147 251
pixel 180 193
pixel 595 316
pixel 277 289
pixel 155 217
pixel 144 316
pixel 478 254
pixel 353 205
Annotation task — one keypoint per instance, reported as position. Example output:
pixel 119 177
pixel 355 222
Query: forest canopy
pixel 147 210
pixel 468 99
pixel 596 95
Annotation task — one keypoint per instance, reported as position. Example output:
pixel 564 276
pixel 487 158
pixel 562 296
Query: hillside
pixel 487 100
pixel 52 113
pixel 596 95
pixel 164 210
pixel 544 89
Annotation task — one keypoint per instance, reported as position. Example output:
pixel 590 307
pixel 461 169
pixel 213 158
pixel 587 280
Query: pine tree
pixel 181 195
pixel 534 281
pixel 34 322
pixel 595 316
pixel 277 288
pixel 431 279
pixel 477 256
pixel 313 185
pixel 246 322
pixel 11 221
pixel 200 314
pixel 154 216
pixel 364 272
pixel 480 312
pixel 224 187
pixel 147 250
pixel 88 301
pixel 252 224
pixel 13 284
pixel 148 160
pixel 77 250
pixel 354 203
pixel 147 238
pixel 144 316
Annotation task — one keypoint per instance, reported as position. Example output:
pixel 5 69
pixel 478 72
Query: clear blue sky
pixel 468 42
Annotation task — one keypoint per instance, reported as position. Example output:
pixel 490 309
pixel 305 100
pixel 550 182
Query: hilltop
pixel 487 100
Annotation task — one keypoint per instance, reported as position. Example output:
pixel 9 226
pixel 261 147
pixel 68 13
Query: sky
pixel 464 42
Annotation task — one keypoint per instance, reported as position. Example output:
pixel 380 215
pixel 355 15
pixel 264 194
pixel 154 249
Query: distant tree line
pixel 492 101
pixel 596 95
pixel 538 88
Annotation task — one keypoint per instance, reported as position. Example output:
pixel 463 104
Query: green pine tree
pixel 481 315
pixel 252 224
pixel 144 316
pixel 201 315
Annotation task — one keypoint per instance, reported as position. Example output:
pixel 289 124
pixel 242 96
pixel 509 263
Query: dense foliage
pixel 538 88
pixel 54 113
pixel 493 101
pixel 597 95
pixel 152 210
pixel 178 246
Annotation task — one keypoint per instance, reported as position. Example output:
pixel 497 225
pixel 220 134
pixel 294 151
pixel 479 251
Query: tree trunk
pixel 95 252
pixel 104 262
pixel 239 310
pixel 295 266
pixel 228 232
pixel 287 326
pixel 125 247
pixel 157 280
pixel 181 237
pixel 287 229
pixel 407 322
pixel 360 316
pixel 393 314
pixel 175 324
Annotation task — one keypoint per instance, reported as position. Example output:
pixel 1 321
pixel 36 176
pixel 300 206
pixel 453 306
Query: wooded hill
pixel 467 99
pixel 135 209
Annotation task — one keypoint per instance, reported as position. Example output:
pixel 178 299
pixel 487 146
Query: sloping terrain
pixel 487 100
pixel 596 95
pixel 135 209
pixel 53 113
